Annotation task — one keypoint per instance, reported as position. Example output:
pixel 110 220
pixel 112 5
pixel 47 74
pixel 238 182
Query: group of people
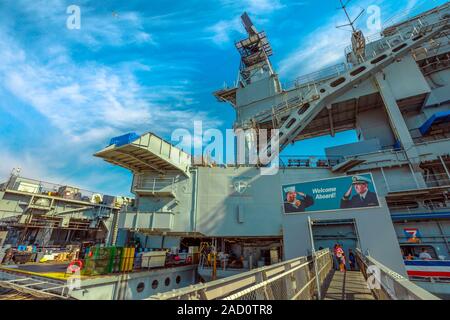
pixel 424 255
pixel 342 260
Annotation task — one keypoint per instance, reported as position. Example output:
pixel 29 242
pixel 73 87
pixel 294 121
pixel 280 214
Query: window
pixel 167 281
pixel 178 280
pixel 415 251
pixel 155 284
pixel 140 287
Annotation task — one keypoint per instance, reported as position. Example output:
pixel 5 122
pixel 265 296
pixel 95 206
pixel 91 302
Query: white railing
pixel 387 284
pixel 431 181
pixel 428 207
pixel 152 184
pixel 321 75
pixel 412 13
pixel 397 36
pixel 436 180
pixel 295 279
pixel 17 183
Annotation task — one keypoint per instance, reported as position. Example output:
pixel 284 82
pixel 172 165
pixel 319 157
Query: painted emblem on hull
pixel 240 186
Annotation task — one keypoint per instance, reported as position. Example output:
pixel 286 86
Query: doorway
pixel 327 233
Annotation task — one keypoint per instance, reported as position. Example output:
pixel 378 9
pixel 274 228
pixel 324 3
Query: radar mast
pixel 255 52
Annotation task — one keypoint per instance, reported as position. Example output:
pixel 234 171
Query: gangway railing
pixel 386 284
pixel 40 287
pixel 294 279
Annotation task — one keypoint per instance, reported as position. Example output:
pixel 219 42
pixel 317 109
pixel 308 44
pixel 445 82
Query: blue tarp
pixel 438 117
pixel 124 139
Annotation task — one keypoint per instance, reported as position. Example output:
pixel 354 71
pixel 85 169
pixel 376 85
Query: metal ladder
pixel 299 118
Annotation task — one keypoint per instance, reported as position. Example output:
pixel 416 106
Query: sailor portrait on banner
pixel 292 204
pixel 363 198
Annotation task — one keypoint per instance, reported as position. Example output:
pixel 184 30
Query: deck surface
pixel 349 285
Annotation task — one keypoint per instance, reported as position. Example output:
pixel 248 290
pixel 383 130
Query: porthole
pixel 154 284
pixel 380 58
pixel 337 82
pixel 303 108
pixel 178 279
pixel 357 71
pixel 140 287
pixel 322 90
pixel 291 122
pixel 399 47
pixel 167 281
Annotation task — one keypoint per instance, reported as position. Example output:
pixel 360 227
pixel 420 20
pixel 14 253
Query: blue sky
pixel 145 66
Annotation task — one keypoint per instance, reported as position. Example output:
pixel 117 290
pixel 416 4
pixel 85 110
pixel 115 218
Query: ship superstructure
pixel 50 215
pixel 393 91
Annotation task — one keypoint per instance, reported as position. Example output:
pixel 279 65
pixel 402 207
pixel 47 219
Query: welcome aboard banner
pixel 349 192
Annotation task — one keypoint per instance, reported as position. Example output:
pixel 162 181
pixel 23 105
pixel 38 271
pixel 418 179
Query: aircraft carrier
pixel 385 197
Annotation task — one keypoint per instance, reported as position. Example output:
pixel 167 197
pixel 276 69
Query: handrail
pixel 44 186
pixel 290 279
pixel 389 285
pixel 154 184
pixel 321 74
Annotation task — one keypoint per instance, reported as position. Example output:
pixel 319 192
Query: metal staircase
pixel 302 114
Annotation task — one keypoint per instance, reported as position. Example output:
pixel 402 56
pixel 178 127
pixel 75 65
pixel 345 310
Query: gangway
pixel 348 285
pixel 307 278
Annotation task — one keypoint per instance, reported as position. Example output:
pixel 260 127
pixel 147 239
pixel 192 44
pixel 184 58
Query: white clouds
pixel 222 30
pixel 99 26
pixel 323 47
pixel 35 165
pixel 107 29
pixel 83 100
pixel 262 6
pixel 86 103
pixel 253 6
pixel 28 162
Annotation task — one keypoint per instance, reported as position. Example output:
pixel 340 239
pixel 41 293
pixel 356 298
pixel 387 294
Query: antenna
pixel 358 40
pixel 248 24
pixel 351 22
pixel 253 50
pixel 15 171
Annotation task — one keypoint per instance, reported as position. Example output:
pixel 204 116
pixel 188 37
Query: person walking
pixel 339 253
pixel 351 259
pixel 336 258
pixel 342 266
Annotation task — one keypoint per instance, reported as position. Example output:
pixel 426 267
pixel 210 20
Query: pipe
pixel 194 218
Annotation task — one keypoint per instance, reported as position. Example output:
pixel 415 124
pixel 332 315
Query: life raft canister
pixel 75 266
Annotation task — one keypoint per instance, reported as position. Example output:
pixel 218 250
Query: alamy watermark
pixel 74 19
pixel 373 21
pixel 240 147
pixel 373 278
